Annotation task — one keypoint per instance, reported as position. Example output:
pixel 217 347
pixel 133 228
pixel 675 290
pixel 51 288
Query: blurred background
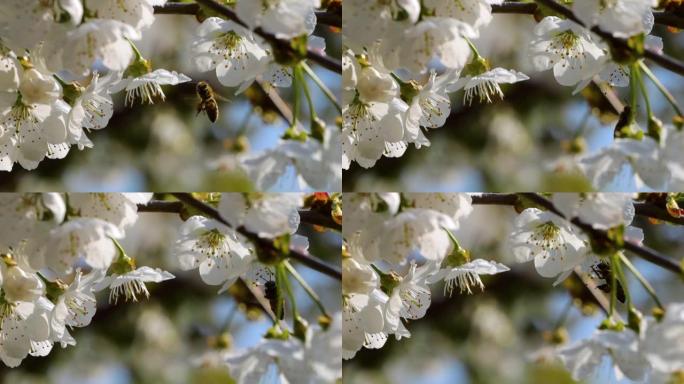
pixel 503 335
pixel 165 146
pixel 177 335
pixel 522 143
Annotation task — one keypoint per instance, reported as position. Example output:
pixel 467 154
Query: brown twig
pixel 661 17
pixel 305 216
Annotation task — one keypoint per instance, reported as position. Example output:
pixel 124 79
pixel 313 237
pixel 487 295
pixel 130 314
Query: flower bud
pixel 634 319
pixel 324 321
pixel 300 327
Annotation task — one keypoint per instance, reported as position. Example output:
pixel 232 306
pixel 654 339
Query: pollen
pixel 547 237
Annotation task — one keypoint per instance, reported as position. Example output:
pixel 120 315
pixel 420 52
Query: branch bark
pixel 176 8
pixel 305 216
pixel 661 17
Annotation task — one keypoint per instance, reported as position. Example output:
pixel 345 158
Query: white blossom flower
pixel 476 13
pixel 363 322
pixel 26 23
pixel 547 239
pixel 19 281
pixel 364 226
pixel 230 49
pixel 623 18
pixel 87 239
pixel 28 216
pixel 285 19
pixel 663 344
pixel 92 109
pixel 137 13
pixel 119 209
pixel 365 22
pixel 566 47
pixel 643 158
pixel 601 210
pixel 77 305
pixel 323 352
pixel 433 38
pixel 22 324
pixel 318 164
pixel 29 123
pixel 147 87
pixel 429 108
pixel 455 205
pixel 23 316
pixel 584 358
pixel 217 250
pixel 485 85
pixel 376 85
pixel 466 275
pixel 368 128
pixel 268 215
pixel 131 285
pixel 316 359
pixel 653 355
pixel 97 39
pixel 358 277
pixel 410 298
pixel 416 229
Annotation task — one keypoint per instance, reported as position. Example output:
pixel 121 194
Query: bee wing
pixel 221 98
pixel 259 274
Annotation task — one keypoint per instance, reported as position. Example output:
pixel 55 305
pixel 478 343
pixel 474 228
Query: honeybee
pixel 602 271
pixel 271 294
pixel 207 101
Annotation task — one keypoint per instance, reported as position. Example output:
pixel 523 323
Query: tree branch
pixel 161 206
pixel 515 7
pixel 176 8
pixel 172 8
pixel 193 8
pixel 303 258
pixel 661 17
pixel 648 210
pixel 656 212
pixel 495 199
pixel 329 18
pixel 305 216
pixel 319 219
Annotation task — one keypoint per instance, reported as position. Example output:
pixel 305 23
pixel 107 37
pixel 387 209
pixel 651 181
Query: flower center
pixel 358 114
pixel 567 39
pixel 77 304
pixel 20 112
pixel 547 236
pixel 268 4
pixel 607 4
pixel 228 44
pixel 213 238
pixel 6 308
pixel 131 289
pixel 677 377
